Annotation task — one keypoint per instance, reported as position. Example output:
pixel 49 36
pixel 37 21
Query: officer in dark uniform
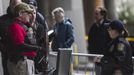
pixel 119 54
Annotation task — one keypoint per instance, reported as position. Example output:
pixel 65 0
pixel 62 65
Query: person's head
pixel 13 3
pixel 31 2
pixel 32 21
pixel 58 14
pixel 23 12
pixel 100 13
pixel 116 28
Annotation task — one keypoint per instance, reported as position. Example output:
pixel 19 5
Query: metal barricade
pixel 63 61
pixel 87 69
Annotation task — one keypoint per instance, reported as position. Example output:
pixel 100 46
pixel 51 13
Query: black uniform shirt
pixel 120 54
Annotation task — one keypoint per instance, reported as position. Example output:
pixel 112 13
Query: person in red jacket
pixel 21 42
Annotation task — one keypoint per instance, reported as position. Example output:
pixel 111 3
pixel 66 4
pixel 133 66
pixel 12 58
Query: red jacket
pixel 18 34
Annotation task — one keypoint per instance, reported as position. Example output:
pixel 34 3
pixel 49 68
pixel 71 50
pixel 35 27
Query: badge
pixel 120 47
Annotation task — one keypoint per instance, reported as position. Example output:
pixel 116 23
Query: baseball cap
pixel 117 24
pixel 33 2
pixel 22 7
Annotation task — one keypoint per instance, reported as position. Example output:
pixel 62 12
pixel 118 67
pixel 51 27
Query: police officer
pixel 119 54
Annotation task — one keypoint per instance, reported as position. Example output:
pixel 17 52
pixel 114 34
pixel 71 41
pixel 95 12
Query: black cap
pixel 117 24
pixel 32 2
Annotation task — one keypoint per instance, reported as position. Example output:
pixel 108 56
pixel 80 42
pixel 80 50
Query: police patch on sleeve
pixel 120 47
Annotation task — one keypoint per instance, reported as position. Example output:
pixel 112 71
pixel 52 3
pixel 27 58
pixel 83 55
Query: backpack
pixel 5 22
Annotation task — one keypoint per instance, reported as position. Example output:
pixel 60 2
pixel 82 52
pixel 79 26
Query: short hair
pixel 22 7
pixel 103 12
pixel 59 9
